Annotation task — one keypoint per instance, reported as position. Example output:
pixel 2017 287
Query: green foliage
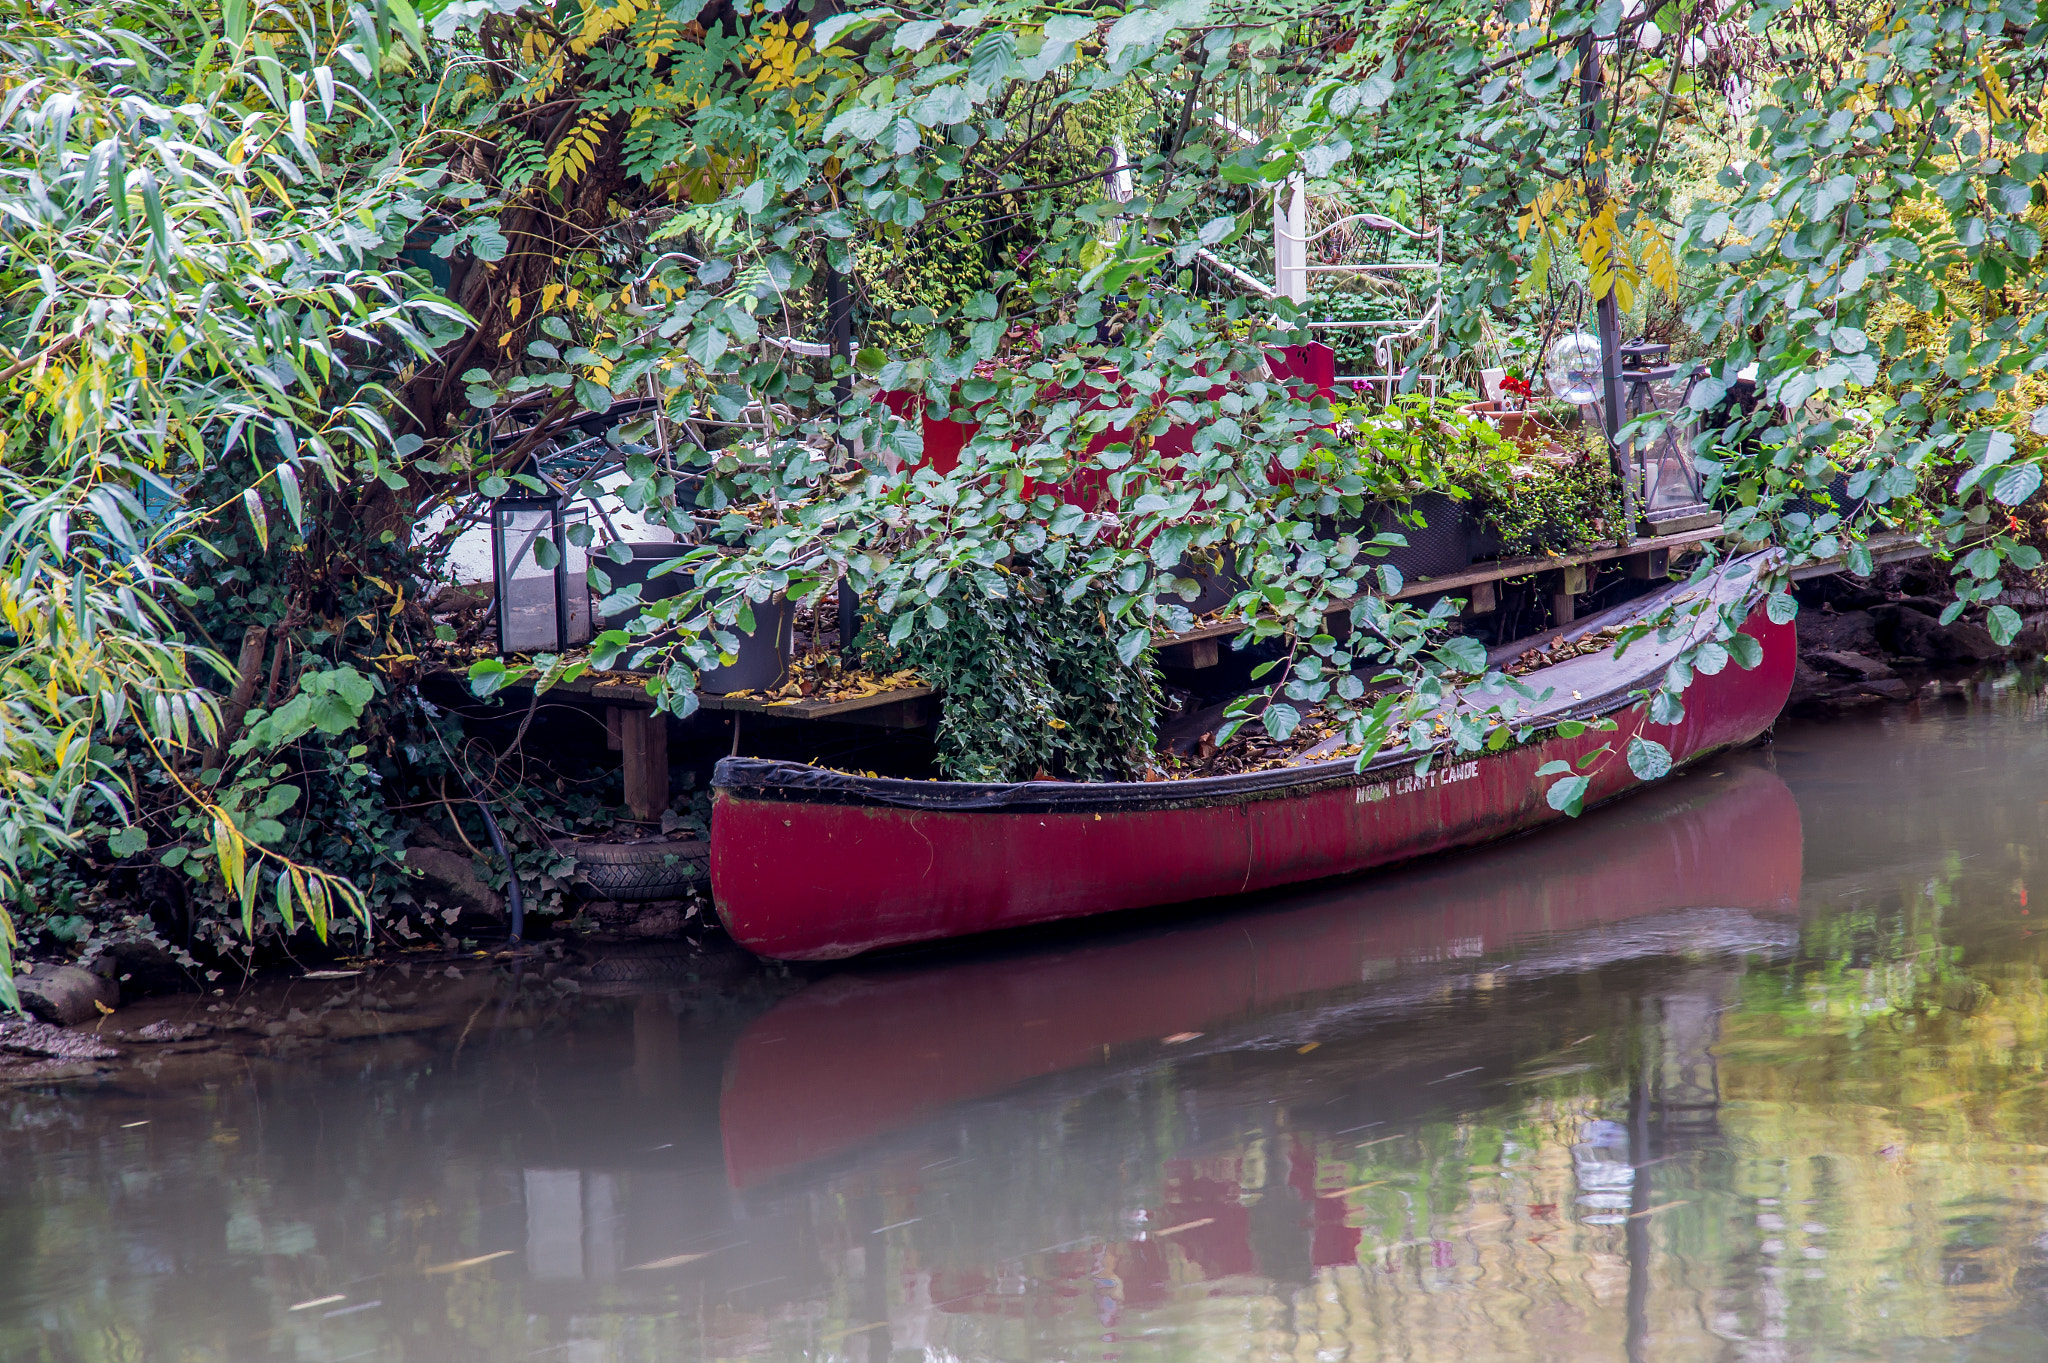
pixel 200 307
pixel 1542 506
pixel 1034 684
pixel 910 281
pixel 1415 444
pixel 229 398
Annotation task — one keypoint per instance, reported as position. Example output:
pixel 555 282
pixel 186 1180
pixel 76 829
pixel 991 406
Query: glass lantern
pixel 542 579
pixel 1668 480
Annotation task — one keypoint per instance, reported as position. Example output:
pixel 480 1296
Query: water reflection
pixel 1748 1069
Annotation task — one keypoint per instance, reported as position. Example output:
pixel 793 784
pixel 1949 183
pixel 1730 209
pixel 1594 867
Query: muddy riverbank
pixel 420 1003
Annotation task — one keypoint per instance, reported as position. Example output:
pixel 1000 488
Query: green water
pixel 1749 1068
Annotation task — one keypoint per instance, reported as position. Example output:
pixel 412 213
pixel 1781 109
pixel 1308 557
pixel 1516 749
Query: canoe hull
pixel 802 876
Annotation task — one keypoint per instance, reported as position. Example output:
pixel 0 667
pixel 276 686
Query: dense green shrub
pixel 1033 684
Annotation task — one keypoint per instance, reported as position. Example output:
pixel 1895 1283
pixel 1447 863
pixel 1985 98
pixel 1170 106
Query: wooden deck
pixel 911 707
pixel 1201 646
pixel 902 707
pixel 641 736
pixel 629 689
pixel 1896 547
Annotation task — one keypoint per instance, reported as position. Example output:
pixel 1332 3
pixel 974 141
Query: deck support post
pixel 1482 600
pixel 1194 654
pixel 643 747
pixel 1652 564
pixel 1570 583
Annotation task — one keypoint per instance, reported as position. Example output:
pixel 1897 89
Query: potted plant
pixel 1405 457
pixel 1534 423
pixel 1558 499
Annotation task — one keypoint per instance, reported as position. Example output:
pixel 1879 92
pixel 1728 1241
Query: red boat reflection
pixel 867 1053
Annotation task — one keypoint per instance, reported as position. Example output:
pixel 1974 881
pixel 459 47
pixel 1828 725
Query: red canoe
pixel 809 864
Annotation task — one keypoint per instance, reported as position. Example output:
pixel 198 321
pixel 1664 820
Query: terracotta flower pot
pixel 1523 428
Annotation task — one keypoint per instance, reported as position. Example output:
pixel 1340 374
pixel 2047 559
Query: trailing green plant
pixel 927 272
pixel 1033 682
pixel 1414 444
pixel 1544 507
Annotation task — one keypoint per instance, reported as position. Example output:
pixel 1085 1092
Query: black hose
pixel 514 900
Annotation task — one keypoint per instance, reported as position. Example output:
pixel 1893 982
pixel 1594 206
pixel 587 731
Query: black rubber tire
pixel 636 872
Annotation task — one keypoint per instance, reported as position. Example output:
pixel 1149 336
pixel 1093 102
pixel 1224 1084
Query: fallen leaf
pixel 461 1264
pixel 1185 1225
pixel 673 1261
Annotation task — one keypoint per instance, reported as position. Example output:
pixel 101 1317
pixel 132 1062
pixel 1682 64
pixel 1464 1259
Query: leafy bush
pixel 1540 506
pixel 1032 681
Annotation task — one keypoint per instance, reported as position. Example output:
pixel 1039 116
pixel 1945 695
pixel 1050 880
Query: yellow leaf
pixel 1997 100
pixel 1596 249
pixel 577 151
pixel 230 850
pixel 1539 269
pixel 514 303
pixel 505 340
pixel 548 295
pixel 1657 261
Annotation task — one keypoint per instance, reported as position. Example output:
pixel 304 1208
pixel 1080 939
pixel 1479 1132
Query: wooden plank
pixel 1220 629
pixel 628 689
pixel 1893 547
pixel 1647 566
pixel 915 713
pixel 1191 653
pixel 1484 574
pixel 1502 569
pixel 816 709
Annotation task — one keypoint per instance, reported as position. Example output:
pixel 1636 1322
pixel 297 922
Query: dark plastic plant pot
pixel 1831 496
pixel 1218 585
pixel 1441 546
pixel 763 655
pixel 646 558
pixel 1485 541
